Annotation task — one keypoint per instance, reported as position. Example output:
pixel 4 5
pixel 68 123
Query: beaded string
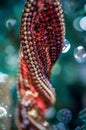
pixel 42 35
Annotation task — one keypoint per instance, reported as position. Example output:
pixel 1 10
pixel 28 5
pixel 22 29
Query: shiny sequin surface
pixel 42 36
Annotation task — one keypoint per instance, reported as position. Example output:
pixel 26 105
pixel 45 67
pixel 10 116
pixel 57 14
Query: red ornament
pixel 42 36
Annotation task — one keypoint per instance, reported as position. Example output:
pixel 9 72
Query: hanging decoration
pixel 42 36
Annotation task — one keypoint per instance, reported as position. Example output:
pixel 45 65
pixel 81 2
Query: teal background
pixel 68 77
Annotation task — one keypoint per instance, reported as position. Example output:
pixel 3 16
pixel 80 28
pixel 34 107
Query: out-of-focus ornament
pixel 82 115
pixel 66 46
pixel 80 54
pixel 59 126
pixel 83 23
pixel 64 115
pixel 76 24
pixel 5 115
pixel 10 23
pixel 50 113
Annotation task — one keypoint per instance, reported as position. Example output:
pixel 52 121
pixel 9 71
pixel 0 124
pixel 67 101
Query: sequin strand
pixel 42 35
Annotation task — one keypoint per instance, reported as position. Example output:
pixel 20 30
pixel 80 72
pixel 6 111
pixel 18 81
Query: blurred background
pixel 68 74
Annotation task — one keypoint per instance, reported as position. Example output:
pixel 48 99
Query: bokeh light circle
pixel 10 23
pixel 50 113
pixel 80 54
pixel 76 24
pixel 64 115
pixel 83 23
pixel 66 46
